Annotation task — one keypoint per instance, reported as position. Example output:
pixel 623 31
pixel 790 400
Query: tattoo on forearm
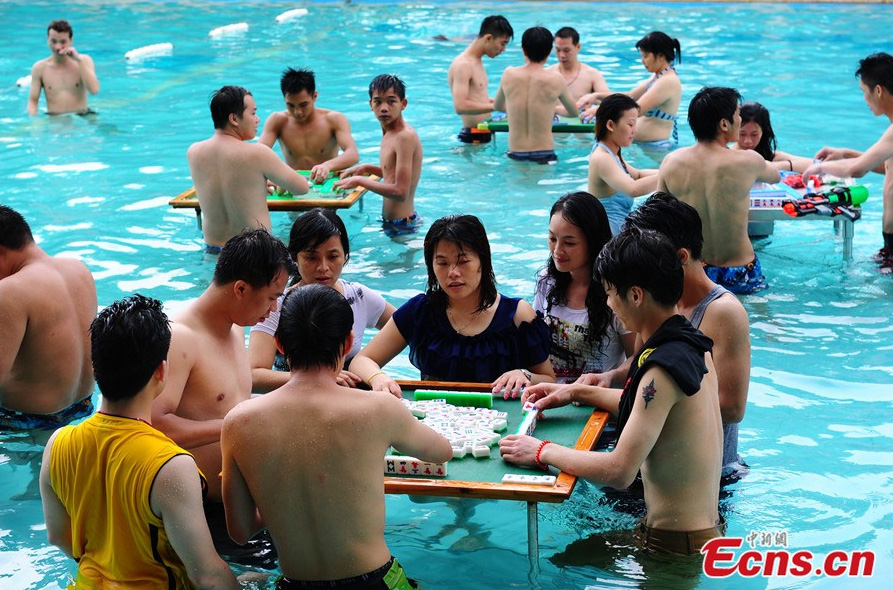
pixel 648 393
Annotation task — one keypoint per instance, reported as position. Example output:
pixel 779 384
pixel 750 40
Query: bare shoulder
pixel 334 118
pixel 524 312
pixel 38 67
pixel 277 119
pixel 725 314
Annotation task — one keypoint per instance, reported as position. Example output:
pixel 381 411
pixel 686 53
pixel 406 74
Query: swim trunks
pixel 676 542
pixel 540 156
pixel 390 576
pixel 402 226
pixel 740 280
pixel 213 249
pixel 259 552
pixel 660 144
pixel 475 135
pixel 13 420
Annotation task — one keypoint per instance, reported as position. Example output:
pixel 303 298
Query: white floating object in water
pixel 24 81
pixel 228 30
pixel 291 14
pixel 150 51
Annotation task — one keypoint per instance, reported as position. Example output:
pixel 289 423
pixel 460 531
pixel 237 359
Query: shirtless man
pixel 709 307
pixel 400 159
pixel 668 414
pixel 581 79
pixel 322 498
pixel 230 175
pixel 716 181
pixel 528 94
pixel 46 306
pixel 209 368
pixel 65 77
pixel 309 137
pixel 876 81
pixel 468 79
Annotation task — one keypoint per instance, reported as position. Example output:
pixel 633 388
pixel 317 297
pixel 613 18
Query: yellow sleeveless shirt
pixel 102 470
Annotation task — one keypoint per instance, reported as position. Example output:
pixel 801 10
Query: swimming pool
pixel 818 428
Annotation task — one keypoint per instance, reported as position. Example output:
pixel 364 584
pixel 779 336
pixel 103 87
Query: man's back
pixel 230 185
pixel 321 494
pixel 52 302
pixel 530 94
pixel 681 474
pixel 716 181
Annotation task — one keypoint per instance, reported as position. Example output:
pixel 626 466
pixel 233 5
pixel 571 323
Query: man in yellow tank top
pixel 120 497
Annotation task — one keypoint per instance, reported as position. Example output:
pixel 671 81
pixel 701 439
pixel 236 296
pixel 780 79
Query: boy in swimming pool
pixel 580 78
pixel 468 79
pixel 321 496
pixel 400 159
pixel 119 496
pixel 65 77
pixel 876 80
pixel 528 95
pixel 309 136
pixel 231 175
pixel 668 415
pixel 716 181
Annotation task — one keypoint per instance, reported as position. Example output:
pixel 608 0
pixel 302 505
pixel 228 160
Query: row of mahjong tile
pixel 470 430
pixel 400 465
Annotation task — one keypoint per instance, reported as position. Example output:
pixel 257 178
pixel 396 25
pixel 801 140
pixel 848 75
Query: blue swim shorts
pixel 13 420
pixel 213 249
pixel 740 280
pixel 402 226
pixel 540 156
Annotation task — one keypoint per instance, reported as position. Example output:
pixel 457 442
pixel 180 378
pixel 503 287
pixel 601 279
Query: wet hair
pixel 612 109
pixel 675 219
pixel 60 26
pixel 537 44
pixel 384 82
pixel 568 33
pixel 754 112
pixel 587 213
pixel 661 44
pixel 294 81
pixel 467 232
pixel 229 100
pixel 709 107
pixel 312 229
pixel 314 323
pixel 15 233
pixel 877 70
pixel 255 256
pixel 497 26
pixel 645 259
pixel 129 339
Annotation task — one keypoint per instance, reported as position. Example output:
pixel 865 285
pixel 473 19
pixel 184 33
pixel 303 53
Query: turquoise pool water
pixel 818 433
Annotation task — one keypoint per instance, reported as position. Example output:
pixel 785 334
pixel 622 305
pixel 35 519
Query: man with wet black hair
pixel 528 95
pixel 668 416
pixel 322 496
pixel 581 79
pixel 875 75
pixel 119 496
pixel 65 77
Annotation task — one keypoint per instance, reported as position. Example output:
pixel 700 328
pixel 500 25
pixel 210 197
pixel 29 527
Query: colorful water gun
pixel 840 200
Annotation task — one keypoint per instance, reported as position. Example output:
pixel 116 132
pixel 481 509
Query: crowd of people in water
pixel 192 459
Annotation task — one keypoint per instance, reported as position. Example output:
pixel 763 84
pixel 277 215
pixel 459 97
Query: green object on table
pixel 457 398
pixel 317 191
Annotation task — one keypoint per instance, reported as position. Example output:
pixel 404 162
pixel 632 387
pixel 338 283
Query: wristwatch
pixel 527 374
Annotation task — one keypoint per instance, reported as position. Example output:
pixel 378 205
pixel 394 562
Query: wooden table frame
pixel 532 494
pixel 188 200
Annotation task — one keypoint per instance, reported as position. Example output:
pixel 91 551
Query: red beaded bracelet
pixel 539 452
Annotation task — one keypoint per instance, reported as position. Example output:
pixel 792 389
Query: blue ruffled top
pixel 442 354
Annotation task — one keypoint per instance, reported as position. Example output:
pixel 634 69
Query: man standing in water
pixel 580 78
pixel 468 79
pixel 65 77
pixel 876 81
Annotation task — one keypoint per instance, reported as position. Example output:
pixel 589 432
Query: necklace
pixel 454 322
pixel 574 79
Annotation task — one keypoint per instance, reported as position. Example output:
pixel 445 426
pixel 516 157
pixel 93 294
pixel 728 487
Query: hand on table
pixel 511 384
pixel 519 449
